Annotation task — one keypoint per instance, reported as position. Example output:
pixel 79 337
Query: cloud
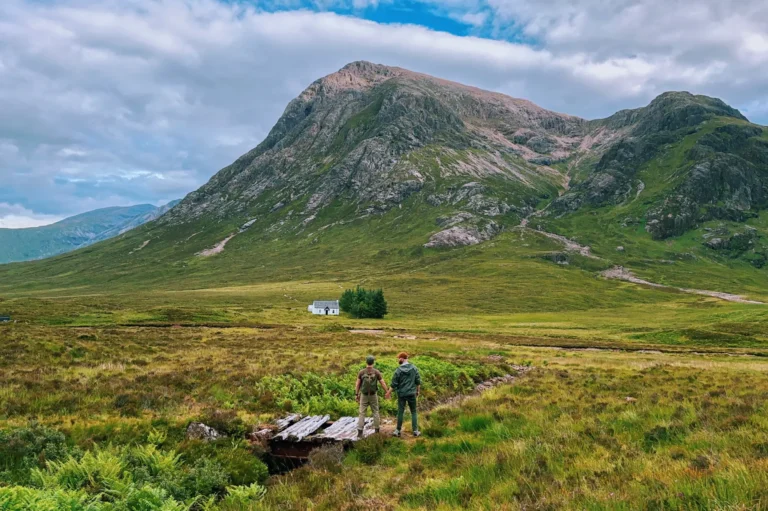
pixel 476 19
pixel 118 102
pixel 14 216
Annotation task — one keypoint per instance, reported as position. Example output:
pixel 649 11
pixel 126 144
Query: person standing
pixel 367 394
pixel 407 383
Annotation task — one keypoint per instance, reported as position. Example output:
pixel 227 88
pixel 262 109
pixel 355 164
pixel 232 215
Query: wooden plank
pixel 287 421
pixel 345 429
pixel 303 428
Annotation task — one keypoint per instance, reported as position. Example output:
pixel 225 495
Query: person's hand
pixel 357 397
pixel 388 394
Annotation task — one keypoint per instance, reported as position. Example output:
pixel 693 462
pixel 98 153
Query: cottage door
pixel 327 310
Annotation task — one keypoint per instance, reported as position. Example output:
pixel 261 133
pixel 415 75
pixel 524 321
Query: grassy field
pixel 639 397
pixel 96 392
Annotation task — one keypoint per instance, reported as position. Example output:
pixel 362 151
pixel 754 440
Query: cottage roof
pixel 322 304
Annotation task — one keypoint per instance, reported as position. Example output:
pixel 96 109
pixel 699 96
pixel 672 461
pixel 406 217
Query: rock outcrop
pixel 199 431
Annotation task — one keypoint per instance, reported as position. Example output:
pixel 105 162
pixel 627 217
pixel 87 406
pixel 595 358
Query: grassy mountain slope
pixel 383 176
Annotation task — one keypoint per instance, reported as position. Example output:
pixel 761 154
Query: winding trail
pixel 570 245
pixel 621 273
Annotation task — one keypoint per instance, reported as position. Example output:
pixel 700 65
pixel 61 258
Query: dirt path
pixel 621 273
pixel 570 245
pixel 216 249
pixel 139 248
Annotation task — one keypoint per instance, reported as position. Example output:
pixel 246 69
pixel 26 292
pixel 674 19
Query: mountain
pixel 377 170
pixel 718 171
pixel 371 136
pixel 74 232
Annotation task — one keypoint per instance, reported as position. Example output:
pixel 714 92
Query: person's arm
pixel 418 383
pixel 357 388
pixel 393 386
pixel 383 384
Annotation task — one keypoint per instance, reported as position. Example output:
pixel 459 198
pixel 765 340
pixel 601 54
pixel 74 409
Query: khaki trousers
pixel 365 402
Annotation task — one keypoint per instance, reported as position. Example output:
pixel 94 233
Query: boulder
pixel 458 236
pixel 199 431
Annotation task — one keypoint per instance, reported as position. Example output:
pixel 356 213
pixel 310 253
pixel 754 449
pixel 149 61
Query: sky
pixel 120 102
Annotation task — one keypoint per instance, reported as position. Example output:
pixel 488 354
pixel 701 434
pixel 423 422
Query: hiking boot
pixel 417 433
pixel 359 434
pixel 396 433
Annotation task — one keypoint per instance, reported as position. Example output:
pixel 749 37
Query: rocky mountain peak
pixel 356 76
pixel 670 111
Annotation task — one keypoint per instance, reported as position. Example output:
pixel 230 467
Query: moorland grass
pixel 585 429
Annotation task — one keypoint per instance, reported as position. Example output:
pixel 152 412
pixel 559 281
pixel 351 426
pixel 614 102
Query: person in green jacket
pixel 407 383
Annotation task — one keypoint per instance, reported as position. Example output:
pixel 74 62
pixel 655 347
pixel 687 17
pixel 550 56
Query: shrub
pixel 157 437
pixel 96 472
pixel 148 498
pixel 207 477
pixel 140 478
pixel 364 303
pixel 243 467
pixel 701 463
pixel 370 449
pixel 224 421
pixel 240 497
pixel 327 458
pixel 19 498
pixel 434 430
pixel 23 449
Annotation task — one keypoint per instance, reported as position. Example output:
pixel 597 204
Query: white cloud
pixel 476 19
pixel 14 216
pixel 143 100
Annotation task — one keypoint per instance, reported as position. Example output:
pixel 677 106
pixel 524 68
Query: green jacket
pixel 405 380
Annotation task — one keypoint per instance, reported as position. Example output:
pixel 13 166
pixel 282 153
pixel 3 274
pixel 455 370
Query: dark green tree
pixel 363 303
pixel 378 304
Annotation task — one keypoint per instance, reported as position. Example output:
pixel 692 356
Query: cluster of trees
pixel 363 303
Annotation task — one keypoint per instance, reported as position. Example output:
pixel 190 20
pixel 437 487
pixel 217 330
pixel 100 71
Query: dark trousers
pixel 401 401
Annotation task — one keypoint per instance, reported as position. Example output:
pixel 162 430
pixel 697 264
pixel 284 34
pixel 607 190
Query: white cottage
pixel 324 307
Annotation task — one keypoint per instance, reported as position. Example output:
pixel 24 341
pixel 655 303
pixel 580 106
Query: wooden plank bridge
pixel 295 436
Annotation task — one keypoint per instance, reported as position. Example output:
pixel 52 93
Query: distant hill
pixel 74 232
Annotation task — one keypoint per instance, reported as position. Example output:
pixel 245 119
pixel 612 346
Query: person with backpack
pixel 407 383
pixel 367 394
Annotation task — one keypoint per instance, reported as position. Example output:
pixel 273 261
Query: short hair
pixel 402 354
